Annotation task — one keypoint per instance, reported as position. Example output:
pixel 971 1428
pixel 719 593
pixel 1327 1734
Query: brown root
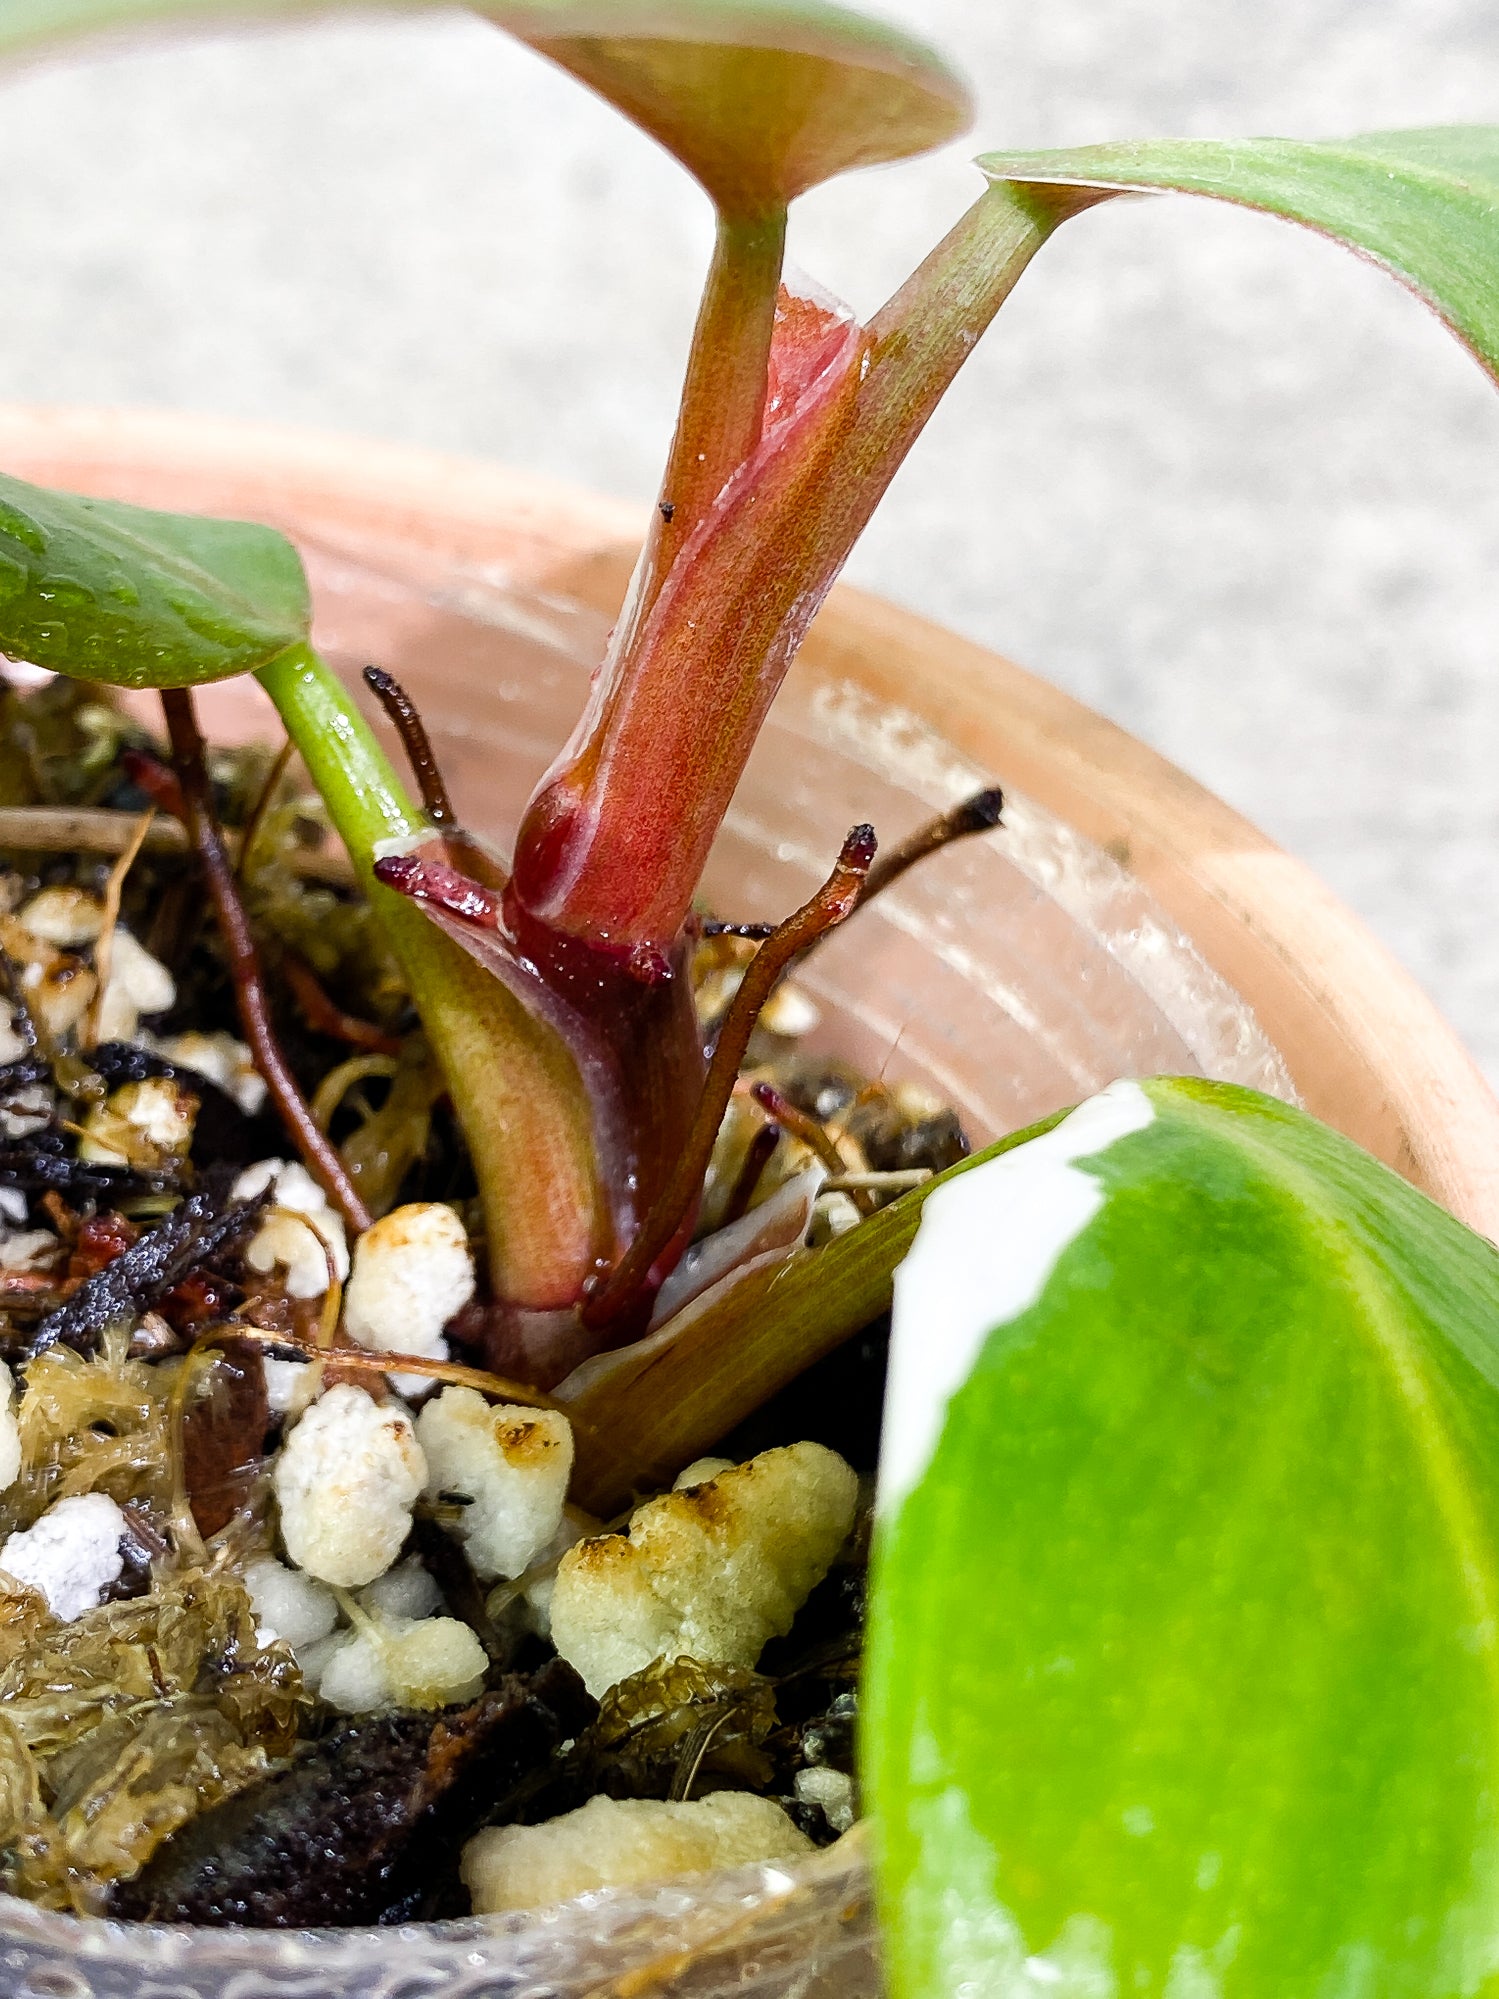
pixel 318 1152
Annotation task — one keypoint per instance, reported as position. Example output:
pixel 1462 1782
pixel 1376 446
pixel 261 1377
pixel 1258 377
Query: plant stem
pixel 920 339
pixel 317 1150
pixel 515 1085
pixel 365 797
pixel 614 1301
pixel 723 396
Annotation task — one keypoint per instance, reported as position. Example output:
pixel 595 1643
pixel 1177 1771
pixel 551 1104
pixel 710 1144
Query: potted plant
pixel 1059 1279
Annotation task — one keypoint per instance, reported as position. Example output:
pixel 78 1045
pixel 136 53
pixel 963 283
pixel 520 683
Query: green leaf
pixel 1184 1661
pixel 760 99
pixel 103 591
pixel 1424 204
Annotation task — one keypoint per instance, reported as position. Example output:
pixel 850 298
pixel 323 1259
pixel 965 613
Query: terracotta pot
pixel 1104 934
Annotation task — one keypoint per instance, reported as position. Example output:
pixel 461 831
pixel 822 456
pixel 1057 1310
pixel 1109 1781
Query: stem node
pixel 617 1299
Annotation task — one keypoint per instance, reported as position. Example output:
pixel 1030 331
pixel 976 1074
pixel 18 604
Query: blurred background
pixel 1223 482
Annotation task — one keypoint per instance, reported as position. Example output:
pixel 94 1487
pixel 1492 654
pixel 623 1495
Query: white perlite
pixel 346 1480
pixel 219 1056
pixel 301 1248
pixel 66 917
pixel 511 1464
pixel 699 1472
pixel 290 1385
pixel 711 1573
pixel 26 1110
pixel 137 984
pixel 612 1844
pixel 412 1271
pixel 408 1590
pixel 14 1040
pixel 72 1554
pixel 10 1430
pixel 403 1662
pixel 140 1124
pixel 985 1248
pixel 289 1605
pixel 28 1249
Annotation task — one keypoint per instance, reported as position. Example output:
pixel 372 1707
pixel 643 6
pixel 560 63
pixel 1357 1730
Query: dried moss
pixel 118 1728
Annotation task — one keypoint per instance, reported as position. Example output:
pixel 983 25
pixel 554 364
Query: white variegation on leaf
pixel 989 1241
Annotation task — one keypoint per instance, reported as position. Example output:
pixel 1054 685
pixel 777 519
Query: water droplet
pixel 13 579
pixel 66 592
pixel 121 590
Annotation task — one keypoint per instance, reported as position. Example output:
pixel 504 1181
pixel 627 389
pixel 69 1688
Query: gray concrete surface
pixel 1222 481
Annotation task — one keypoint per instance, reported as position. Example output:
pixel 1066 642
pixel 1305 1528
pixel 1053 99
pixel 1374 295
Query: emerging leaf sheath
pixel 615 842
pixel 719 422
pixel 614 845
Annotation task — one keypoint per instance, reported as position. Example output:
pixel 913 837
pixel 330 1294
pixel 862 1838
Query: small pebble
pixel 833 1790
